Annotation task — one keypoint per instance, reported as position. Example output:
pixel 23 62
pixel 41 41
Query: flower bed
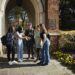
pixel 64 57
pixel 66 47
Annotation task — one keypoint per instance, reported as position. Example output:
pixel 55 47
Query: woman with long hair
pixel 45 56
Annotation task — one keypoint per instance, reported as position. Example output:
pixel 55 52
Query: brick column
pixel 52 15
pixel 52 21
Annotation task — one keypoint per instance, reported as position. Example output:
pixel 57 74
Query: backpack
pixel 3 40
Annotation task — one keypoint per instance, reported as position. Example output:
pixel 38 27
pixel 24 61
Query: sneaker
pixel 44 64
pixel 39 63
pixel 14 62
pixel 20 60
pixel 10 62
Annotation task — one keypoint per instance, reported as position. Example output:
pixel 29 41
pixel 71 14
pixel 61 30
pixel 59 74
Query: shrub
pixel 64 57
pixel 67 40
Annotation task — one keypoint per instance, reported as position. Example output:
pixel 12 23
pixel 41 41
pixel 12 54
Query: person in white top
pixel 20 37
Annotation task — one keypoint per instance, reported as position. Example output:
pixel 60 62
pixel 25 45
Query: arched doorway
pixel 17 11
pixel 33 7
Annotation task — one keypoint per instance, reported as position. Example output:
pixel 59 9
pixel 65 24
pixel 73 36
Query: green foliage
pixel 64 57
pixel 67 40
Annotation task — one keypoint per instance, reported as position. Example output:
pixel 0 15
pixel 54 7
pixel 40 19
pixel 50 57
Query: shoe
pixel 44 64
pixel 14 62
pixel 20 60
pixel 39 63
pixel 10 63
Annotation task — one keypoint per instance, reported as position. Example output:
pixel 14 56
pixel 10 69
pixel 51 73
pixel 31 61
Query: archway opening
pixel 26 10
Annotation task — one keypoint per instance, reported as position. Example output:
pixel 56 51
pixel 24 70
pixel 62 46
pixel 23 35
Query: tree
pixel 67 14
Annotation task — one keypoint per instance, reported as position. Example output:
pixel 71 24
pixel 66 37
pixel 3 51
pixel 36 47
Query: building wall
pixel 0 32
pixel 50 16
pixel 52 20
pixel 38 16
pixel 0 2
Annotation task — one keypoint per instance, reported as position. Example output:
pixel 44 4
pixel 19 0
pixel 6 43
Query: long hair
pixel 10 30
pixel 44 31
pixel 43 28
pixel 19 29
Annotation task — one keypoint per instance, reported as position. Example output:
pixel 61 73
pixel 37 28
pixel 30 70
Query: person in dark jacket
pixel 9 44
pixel 29 33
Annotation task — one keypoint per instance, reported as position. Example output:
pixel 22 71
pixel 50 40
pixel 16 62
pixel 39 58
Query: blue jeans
pixel 45 57
pixel 20 52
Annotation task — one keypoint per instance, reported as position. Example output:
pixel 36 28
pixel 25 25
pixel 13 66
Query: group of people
pixel 37 37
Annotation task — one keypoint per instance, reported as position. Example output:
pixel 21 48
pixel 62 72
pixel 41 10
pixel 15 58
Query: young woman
pixel 37 42
pixel 45 57
pixel 10 46
pixel 20 37
pixel 29 33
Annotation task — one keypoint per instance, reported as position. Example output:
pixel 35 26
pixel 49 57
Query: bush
pixel 64 57
pixel 66 43
pixel 67 40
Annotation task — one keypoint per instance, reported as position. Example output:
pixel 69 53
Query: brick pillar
pixel 52 21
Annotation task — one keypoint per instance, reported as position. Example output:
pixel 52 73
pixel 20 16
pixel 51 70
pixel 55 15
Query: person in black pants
pixel 10 46
pixel 9 51
pixel 29 33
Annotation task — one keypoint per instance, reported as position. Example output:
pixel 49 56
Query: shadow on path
pixel 26 63
pixel 5 65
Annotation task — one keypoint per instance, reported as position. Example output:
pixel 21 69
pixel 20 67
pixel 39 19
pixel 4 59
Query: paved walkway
pixel 30 68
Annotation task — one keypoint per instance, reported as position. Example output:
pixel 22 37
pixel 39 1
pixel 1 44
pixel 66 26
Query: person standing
pixel 45 38
pixel 29 33
pixel 10 46
pixel 37 42
pixel 20 37
pixel 45 56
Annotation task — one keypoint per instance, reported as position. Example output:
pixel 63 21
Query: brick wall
pixel 52 21
pixel 52 15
